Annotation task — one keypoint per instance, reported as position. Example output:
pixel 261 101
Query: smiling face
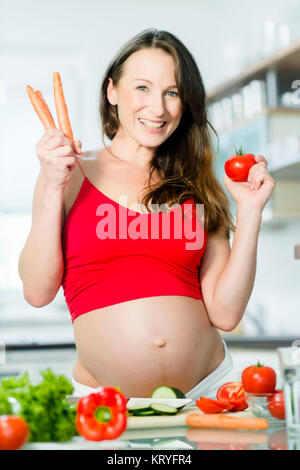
pixel 147 97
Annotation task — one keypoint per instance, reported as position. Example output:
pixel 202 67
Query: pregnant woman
pixel 146 308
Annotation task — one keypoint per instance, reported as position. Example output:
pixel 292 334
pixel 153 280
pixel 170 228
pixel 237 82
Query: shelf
pixel 38 346
pixel 268 342
pixel 264 112
pixel 287 58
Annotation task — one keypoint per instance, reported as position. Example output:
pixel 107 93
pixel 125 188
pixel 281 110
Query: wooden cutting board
pixel 145 422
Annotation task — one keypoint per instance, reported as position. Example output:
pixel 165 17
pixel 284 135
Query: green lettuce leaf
pixel 44 406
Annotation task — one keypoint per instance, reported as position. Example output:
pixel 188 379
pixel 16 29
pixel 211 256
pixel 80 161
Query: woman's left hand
pixel 257 190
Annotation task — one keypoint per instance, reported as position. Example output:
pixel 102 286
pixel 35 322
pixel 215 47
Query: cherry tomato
pixel 233 393
pixel 207 405
pixel 237 167
pixel 13 432
pixel 259 379
pixel 276 404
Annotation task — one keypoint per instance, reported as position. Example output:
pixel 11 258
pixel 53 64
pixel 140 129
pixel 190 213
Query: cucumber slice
pixel 162 409
pixel 167 392
pixel 179 393
pixel 138 409
pixel 145 413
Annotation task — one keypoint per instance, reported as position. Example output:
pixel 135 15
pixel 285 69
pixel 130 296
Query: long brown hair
pixel 185 161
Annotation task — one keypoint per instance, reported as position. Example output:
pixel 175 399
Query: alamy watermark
pixel 118 223
pixel 296 94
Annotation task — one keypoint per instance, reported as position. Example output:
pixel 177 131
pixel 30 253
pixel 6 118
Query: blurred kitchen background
pixel 249 56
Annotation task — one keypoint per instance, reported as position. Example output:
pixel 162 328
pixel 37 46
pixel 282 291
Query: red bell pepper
pixel 102 415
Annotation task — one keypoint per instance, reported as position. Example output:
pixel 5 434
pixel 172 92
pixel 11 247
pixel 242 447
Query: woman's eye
pixel 174 92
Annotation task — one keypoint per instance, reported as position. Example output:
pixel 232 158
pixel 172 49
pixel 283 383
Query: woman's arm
pixel 41 260
pixel 227 276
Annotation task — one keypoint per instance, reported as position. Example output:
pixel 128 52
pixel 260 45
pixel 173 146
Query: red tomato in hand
pixel 13 432
pixel 259 379
pixel 276 405
pixel 207 405
pixel 233 393
pixel 237 167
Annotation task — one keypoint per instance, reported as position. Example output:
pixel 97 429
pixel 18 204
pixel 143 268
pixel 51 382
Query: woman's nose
pixel 157 105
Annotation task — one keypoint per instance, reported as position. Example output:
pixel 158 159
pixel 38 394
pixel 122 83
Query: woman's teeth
pixel 152 125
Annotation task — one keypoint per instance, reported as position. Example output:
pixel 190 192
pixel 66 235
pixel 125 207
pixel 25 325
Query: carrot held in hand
pixel 222 421
pixel 61 107
pixel 41 108
pixel 40 96
pixel 62 111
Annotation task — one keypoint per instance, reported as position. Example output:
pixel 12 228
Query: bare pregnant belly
pixel 145 343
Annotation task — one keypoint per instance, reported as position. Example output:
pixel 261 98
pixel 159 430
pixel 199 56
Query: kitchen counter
pixel 275 437
pixel 172 433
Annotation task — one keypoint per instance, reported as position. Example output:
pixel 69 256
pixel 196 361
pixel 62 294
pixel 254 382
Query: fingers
pixel 257 181
pixel 55 156
pixel 77 147
pixel 259 177
pixel 261 159
pixel 258 172
pixel 53 139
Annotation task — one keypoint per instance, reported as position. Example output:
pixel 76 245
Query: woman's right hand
pixel 57 157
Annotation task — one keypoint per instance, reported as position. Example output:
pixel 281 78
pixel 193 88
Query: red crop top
pixel 113 254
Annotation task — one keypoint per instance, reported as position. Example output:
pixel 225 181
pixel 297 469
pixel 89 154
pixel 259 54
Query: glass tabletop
pixel 276 437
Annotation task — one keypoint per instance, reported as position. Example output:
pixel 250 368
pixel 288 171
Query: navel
pixel 160 343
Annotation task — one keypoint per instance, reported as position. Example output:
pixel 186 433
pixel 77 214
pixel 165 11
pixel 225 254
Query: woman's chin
pixel 153 141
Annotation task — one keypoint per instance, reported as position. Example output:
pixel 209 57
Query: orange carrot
pixel 41 108
pixel 61 107
pixel 218 420
pixel 40 96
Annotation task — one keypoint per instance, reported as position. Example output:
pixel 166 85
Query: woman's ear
pixel 111 92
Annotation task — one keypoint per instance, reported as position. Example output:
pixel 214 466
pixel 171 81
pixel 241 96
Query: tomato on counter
pixel 14 432
pixel 208 405
pixel 276 404
pixel 237 167
pixel 230 397
pixel 259 379
pixel 233 393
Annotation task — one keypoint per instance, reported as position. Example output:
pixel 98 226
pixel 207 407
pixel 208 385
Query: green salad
pixel 44 406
